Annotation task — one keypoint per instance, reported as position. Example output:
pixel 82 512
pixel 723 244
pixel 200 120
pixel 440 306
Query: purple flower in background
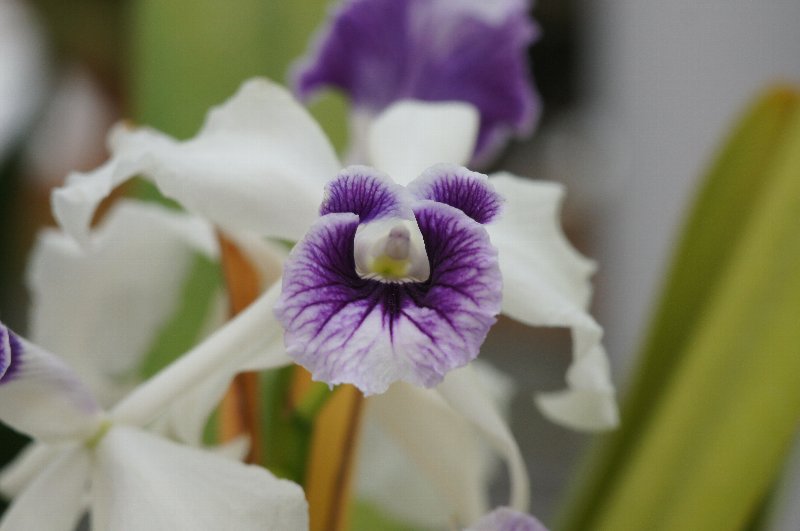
pixel 381 51
pixel 393 283
pixel 505 519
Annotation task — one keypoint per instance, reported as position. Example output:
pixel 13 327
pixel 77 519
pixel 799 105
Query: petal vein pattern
pixel 373 331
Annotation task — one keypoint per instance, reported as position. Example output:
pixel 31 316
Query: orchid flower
pixel 384 52
pixel 130 477
pixel 260 164
pixel 381 51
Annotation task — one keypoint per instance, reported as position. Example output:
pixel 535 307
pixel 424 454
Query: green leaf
pixel 728 419
pixel 751 161
pixel 367 517
pixel 188 55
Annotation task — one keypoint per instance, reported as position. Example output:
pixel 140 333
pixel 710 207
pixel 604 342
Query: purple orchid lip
pixel 382 51
pixel 346 328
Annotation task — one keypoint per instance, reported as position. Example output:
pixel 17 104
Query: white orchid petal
pixel 420 460
pixel 139 255
pixel 546 283
pixel 589 403
pixel 26 466
pixel 246 340
pixel 411 136
pixel 54 501
pixel 41 396
pixel 463 391
pixel 142 482
pixel 441 442
pixel 258 164
pixel 390 479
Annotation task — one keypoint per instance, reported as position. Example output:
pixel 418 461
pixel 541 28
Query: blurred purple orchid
pixel 382 51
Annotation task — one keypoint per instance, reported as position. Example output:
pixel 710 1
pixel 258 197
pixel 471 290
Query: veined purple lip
pixel 349 328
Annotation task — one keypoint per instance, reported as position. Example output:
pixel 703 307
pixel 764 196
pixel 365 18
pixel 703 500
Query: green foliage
pixel 367 517
pixel 187 55
pixel 715 403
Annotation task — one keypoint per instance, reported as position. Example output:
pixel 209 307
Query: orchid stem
pixel 332 459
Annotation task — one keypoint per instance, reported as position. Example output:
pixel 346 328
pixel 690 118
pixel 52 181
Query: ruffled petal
pixel 411 136
pixel 140 255
pixel 348 329
pixel 41 396
pixel 382 51
pixel 462 390
pixel 366 192
pixel 470 192
pixel 54 501
pixel 546 283
pixel 142 482
pixel 505 519
pixel 258 163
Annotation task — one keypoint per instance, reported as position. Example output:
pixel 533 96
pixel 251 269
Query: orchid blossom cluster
pixel 401 260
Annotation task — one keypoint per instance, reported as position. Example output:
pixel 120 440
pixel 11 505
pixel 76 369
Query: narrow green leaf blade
pixel 722 210
pixel 727 419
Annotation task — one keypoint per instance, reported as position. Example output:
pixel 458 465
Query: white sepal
pixel 410 136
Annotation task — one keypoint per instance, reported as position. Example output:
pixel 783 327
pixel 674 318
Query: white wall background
pixel 667 79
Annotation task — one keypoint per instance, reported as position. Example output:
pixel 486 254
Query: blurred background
pixel 637 97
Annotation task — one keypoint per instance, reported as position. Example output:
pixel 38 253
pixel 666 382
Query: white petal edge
pixel 546 283
pixel 54 500
pixel 142 482
pixel 463 391
pixel 259 163
pixel 247 341
pixel 140 254
pixel 410 136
